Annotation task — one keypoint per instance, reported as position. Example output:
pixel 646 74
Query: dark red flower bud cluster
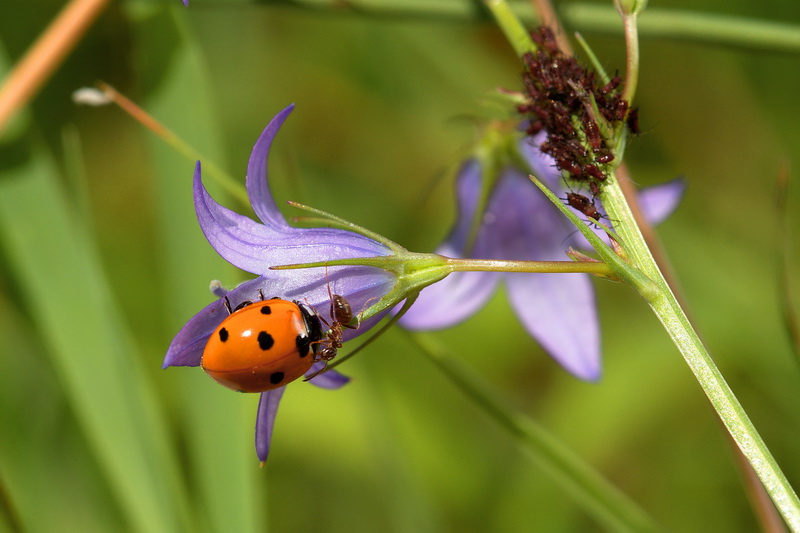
pixel 564 98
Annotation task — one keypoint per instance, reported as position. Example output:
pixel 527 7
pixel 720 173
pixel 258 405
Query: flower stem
pixel 690 26
pixel 632 62
pixel 509 23
pixel 668 310
pixel 681 25
pixel 641 271
pixel 549 267
pixel 730 411
pixel 590 489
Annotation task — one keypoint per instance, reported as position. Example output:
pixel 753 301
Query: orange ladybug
pixel 263 345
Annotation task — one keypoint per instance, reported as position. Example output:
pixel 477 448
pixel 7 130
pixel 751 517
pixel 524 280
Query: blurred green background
pixel 102 262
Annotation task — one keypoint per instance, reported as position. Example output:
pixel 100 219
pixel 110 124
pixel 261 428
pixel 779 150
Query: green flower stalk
pixel 629 258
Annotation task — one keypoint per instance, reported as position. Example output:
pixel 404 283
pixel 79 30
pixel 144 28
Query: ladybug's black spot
pixel 265 340
pixel 303 345
pixel 223 334
pixel 266 310
pixel 276 377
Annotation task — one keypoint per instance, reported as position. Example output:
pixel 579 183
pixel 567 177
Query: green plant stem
pixel 632 56
pixel 681 25
pixel 641 271
pixel 450 264
pixel 730 411
pixel 548 267
pixel 510 24
pixel 590 489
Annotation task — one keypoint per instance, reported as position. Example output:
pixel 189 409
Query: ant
pixel 341 314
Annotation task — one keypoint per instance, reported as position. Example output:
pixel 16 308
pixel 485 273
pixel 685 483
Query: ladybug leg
pixel 261 294
pixel 228 305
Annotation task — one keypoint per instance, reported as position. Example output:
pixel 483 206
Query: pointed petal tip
pixel 265 421
pixel 588 369
pixel 327 380
pixel 281 116
pixel 589 375
pixel 197 181
pixel 659 201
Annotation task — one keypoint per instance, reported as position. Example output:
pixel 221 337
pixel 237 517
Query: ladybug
pixel 266 344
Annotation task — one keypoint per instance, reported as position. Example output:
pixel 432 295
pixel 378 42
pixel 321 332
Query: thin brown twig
pixel 45 55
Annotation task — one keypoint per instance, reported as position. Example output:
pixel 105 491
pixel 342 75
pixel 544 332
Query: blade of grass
pixel 64 288
pixel 218 423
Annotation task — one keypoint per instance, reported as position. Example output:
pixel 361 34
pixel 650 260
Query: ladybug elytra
pixel 263 345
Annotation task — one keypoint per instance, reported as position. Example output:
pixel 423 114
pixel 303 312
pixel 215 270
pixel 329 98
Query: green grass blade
pixel 65 291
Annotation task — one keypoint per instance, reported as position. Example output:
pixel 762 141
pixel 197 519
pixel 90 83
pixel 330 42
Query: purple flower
pixel 255 247
pixel 519 223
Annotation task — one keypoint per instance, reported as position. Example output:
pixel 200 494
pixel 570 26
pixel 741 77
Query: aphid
pixel 584 205
pixel 633 121
pixel 593 171
pixel 592 132
pixel 604 156
pixel 611 85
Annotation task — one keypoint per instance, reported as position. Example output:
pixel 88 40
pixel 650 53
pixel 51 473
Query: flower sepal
pixel 615 262
pixel 413 272
pixel 630 7
pixel 580 257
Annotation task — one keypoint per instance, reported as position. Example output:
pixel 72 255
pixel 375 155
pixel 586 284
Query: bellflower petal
pixel 255 247
pixel 187 347
pixel 269 401
pixel 258 246
pixel 553 308
pixel 265 421
pixel 257 182
pixel 659 201
pixel 330 379
pixel 559 311
pixel 468 188
pixel 656 202
pixel 541 164
pixel 519 223
pixel 450 301
pixel 460 294
pixel 357 284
